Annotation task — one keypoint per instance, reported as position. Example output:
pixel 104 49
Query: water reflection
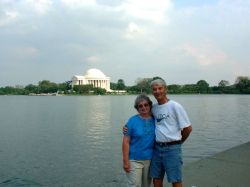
pixel 93 116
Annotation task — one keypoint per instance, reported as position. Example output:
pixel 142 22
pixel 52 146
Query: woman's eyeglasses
pixel 143 105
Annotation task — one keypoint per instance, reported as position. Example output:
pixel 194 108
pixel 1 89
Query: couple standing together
pixel 152 140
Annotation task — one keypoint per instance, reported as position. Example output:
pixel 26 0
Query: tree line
pixel 241 86
pixel 142 85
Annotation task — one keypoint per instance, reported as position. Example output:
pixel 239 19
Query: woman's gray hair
pixel 158 81
pixel 140 98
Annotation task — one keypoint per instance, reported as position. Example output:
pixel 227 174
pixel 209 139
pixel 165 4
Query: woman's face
pixel 143 108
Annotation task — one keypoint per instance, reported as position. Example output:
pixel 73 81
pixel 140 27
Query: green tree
pixel 203 86
pixel 222 86
pixel 99 91
pixel 113 86
pixel 174 89
pixel 242 83
pixel 223 83
pixel 46 86
pixel 83 89
pixel 31 88
pixel 133 89
pixel 9 90
pixel 64 87
pixel 143 85
pixel 189 88
pixel 121 84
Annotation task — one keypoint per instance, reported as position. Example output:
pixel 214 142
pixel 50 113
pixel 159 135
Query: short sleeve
pixel 182 116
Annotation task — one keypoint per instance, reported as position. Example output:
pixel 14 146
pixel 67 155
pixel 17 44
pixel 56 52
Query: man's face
pixel 159 91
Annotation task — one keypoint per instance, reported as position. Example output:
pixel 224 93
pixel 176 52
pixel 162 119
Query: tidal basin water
pixel 75 141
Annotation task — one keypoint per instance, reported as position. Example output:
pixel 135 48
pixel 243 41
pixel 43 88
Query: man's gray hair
pixel 158 81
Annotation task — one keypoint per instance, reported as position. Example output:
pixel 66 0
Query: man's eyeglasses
pixel 143 105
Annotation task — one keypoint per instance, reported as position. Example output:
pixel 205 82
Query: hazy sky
pixel 182 41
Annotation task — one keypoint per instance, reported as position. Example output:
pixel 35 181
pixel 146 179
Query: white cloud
pixel 154 11
pixel 78 3
pixel 205 54
pixel 133 30
pixel 133 27
pixel 8 17
pixel 39 6
pixel 13 10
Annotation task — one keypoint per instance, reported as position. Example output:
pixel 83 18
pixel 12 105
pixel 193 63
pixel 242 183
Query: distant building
pixel 93 77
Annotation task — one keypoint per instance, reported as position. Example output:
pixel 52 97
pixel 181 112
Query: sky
pixel 182 41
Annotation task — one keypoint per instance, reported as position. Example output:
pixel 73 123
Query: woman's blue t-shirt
pixel 142 135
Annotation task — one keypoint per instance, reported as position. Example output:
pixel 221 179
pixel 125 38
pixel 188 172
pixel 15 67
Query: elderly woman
pixel 138 143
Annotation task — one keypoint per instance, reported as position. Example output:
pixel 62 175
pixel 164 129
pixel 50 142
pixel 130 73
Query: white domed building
pixel 93 76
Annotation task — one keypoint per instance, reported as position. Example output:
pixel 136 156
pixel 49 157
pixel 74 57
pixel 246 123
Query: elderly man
pixel 172 129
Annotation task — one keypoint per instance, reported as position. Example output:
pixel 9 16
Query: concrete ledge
pixel 230 168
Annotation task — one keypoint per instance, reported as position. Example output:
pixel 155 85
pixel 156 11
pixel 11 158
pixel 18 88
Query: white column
pixel 108 84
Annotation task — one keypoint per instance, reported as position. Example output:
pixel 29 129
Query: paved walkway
pixel 230 168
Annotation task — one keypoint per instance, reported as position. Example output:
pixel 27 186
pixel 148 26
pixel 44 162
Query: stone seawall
pixel 230 168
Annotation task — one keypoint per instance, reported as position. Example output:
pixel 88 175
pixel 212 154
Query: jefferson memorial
pixel 93 76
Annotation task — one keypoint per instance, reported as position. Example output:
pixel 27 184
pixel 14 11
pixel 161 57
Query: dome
pixel 95 73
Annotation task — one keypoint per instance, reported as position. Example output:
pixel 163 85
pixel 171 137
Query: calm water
pixel 76 141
